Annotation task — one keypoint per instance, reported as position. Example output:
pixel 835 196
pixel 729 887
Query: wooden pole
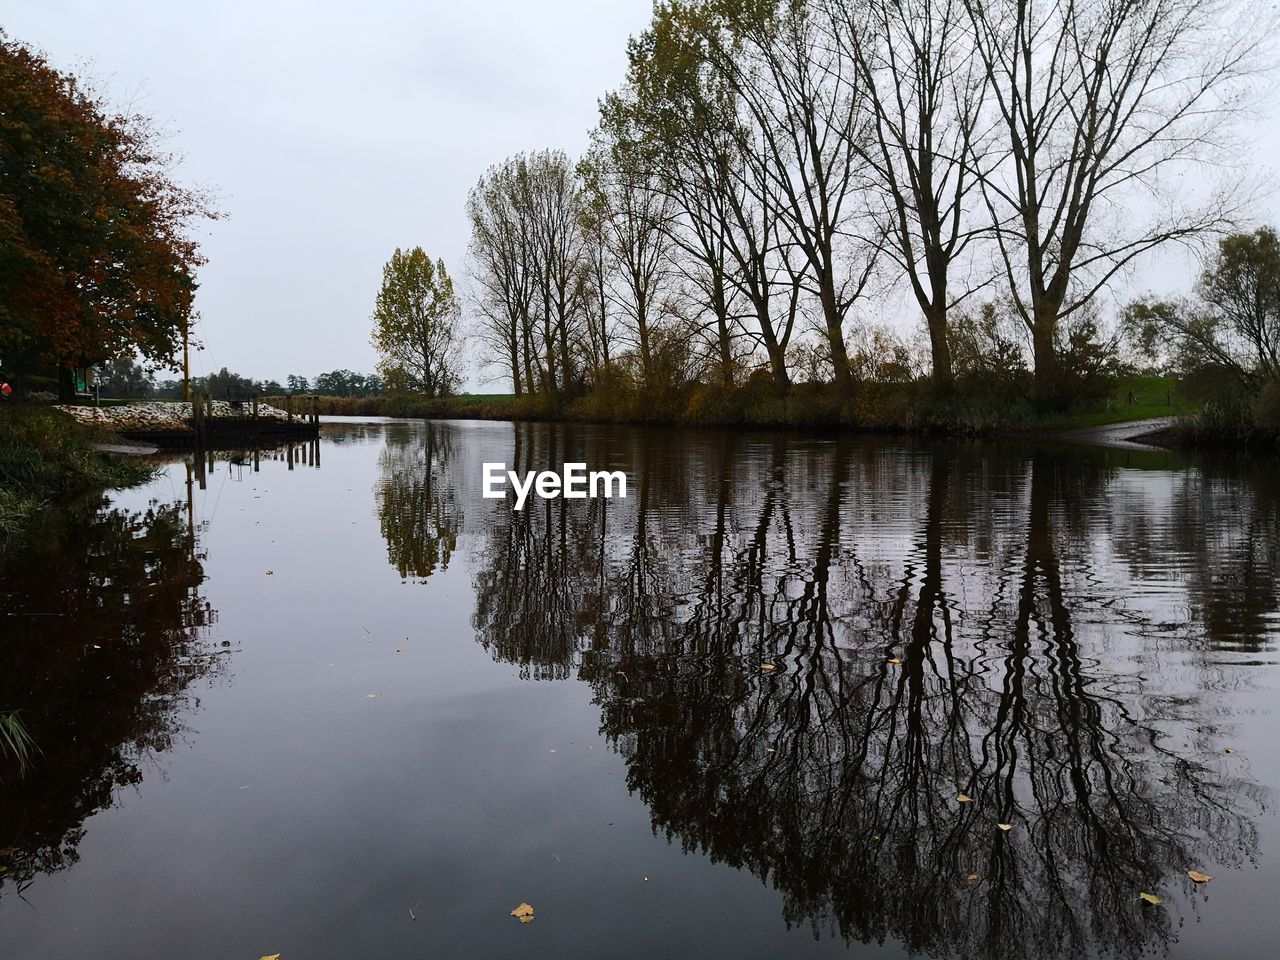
pixel 186 363
pixel 197 417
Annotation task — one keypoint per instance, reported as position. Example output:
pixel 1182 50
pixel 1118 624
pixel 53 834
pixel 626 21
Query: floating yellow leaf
pixel 767 666
pixel 962 798
pixel 1199 877
pixel 972 876
pixel 894 660
pixel 523 913
pixel 1005 826
pixel 270 956
pixel 1150 897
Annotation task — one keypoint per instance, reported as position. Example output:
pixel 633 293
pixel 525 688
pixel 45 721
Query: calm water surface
pixel 336 704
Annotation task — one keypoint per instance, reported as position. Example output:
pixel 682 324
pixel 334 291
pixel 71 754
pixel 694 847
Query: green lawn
pixel 1155 396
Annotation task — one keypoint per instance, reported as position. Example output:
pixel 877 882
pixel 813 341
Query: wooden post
pixel 197 416
pixel 191 524
pixel 288 406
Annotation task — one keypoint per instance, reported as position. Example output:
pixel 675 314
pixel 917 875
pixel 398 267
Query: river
pixel 793 696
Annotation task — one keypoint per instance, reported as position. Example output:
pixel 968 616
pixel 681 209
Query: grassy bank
pixel 902 407
pixel 46 458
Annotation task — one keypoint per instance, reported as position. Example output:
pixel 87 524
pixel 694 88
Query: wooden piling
pixel 197 415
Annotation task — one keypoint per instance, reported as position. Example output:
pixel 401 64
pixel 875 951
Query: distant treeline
pixel 124 377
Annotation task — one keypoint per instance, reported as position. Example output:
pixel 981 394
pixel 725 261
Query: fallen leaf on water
pixel 894 660
pixel 372 696
pixel 1231 749
pixel 962 798
pixel 972 876
pixel 523 913
pixel 1150 897
pixel 767 666
pixel 270 956
pixel 399 649
pixel 1199 877
pixel 411 914
pixel 269 573
pixel 1005 826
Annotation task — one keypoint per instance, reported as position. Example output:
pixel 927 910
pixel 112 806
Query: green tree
pixel 415 325
pixel 1233 323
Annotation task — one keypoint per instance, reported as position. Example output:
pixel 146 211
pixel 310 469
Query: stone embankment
pixel 157 415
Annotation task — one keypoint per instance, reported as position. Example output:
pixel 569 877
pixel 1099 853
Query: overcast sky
pixel 334 132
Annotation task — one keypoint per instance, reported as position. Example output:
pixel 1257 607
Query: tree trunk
pixel 943 376
pixel 66 384
pixel 721 307
pixel 835 334
pixel 515 368
pixel 778 365
pixel 1046 386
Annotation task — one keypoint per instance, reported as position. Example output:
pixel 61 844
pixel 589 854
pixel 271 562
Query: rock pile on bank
pixel 159 415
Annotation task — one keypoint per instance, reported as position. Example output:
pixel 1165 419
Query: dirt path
pixel 1126 436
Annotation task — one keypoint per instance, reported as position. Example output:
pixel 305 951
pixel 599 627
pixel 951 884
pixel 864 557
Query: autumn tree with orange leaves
pixel 96 253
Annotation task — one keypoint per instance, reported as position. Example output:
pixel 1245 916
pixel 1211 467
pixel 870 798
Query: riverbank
pixel 46 458
pixel 885 408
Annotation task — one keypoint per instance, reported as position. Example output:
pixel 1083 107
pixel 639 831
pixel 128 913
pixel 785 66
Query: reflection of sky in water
pixel 1080 640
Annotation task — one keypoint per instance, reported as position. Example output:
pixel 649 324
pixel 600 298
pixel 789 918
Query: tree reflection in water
pixel 941 623
pixel 104 635
pixel 418 510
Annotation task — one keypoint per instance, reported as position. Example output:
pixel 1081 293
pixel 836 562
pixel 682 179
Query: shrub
pixel 1266 409
pixel 46 456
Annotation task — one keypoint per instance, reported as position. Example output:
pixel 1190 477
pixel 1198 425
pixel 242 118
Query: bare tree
pixel 677 120
pixel 556 260
pixel 1101 103
pixel 636 215
pixel 500 266
pixel 597 269
pixel 807 118
pixel 925 91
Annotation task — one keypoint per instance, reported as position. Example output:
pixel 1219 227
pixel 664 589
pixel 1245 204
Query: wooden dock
pixel 209 431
